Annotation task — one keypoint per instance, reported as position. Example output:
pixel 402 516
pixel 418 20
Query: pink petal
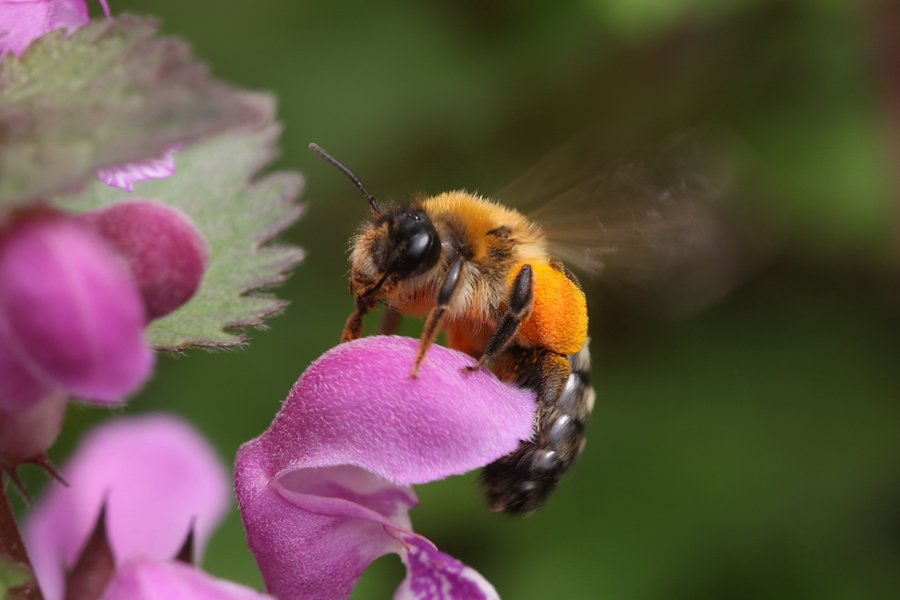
pixel 325 490
pixel 434 575
pixel 158 477
pixel 23 21
pixel 20 387
pixel 152 580
pixel 73 312
pixel 124 176
pixel 164 250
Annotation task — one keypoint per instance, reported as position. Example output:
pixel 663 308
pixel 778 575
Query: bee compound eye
pixel 420 253
pixel 418 246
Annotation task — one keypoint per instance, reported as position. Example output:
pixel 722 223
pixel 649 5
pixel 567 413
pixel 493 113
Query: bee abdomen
pixel 520 482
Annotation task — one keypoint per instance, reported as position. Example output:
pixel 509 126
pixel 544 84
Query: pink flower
pixel 327 488
pixel 76 294
pixel 23 21
pixel 71 317
pixel 124 176
pixel 153 481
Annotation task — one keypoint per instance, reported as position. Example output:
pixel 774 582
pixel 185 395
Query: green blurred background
pixel 751 451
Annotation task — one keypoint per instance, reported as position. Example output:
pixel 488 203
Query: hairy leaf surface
pixel 237 215
pixel 109 94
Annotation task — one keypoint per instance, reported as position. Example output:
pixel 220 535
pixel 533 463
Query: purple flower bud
pixel 162 247
pixel 73 315
pixel 27 432
pixel 326 489
pixel 125 176
pixel 23 21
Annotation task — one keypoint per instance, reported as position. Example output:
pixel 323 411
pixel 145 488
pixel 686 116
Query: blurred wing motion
pixel 656 224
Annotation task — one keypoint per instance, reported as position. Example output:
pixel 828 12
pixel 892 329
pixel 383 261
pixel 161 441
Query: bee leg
pixel 354 328
pixel 438 314
pixel 519 304
pixel 366 299
pixel 391 321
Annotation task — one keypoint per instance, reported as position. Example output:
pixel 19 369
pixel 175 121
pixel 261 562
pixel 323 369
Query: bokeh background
pixel 750 451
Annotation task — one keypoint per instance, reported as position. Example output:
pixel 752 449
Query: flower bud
pixel 27 433
pixel 72 312
pixel 161 246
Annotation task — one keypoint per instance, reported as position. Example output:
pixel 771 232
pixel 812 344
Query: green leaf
pixel 109 94
pixel 12 575
pixel 213 185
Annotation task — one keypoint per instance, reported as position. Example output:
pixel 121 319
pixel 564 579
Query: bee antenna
pixel 372 202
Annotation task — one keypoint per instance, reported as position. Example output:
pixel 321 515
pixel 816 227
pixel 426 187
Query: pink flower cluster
pixel 76 294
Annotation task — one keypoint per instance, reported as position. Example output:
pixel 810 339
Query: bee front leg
pixel 354 328
pixel 519 305
pixel 366 299
pixel 438 314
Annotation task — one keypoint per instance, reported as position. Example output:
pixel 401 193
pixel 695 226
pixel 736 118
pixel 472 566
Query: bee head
pixel 410 244
pixel 402 240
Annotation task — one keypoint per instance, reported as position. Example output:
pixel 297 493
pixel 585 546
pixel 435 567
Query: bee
pixel 485 274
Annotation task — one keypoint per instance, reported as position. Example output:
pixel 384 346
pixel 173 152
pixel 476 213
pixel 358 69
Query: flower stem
pixel 12 549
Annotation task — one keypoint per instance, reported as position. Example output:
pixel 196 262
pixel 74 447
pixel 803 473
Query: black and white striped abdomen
pixel 520 482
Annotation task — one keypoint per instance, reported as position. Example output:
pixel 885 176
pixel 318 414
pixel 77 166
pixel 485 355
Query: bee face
pixel 405 242
pixel 393 248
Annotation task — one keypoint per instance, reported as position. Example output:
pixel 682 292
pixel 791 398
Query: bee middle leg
pixel 438 314
pixel 519 304
pixel 391 321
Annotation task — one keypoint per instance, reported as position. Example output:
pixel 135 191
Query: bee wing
pixel 654 224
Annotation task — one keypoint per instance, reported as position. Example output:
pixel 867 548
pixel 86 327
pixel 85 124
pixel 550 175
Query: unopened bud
pixel 72 312
pixel 162 247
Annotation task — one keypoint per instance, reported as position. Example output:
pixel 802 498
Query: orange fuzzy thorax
pixel 474 216
pixel 559 319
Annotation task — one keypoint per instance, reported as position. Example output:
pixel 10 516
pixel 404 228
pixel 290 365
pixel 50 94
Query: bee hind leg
pixel 519 304
pixel 438 314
